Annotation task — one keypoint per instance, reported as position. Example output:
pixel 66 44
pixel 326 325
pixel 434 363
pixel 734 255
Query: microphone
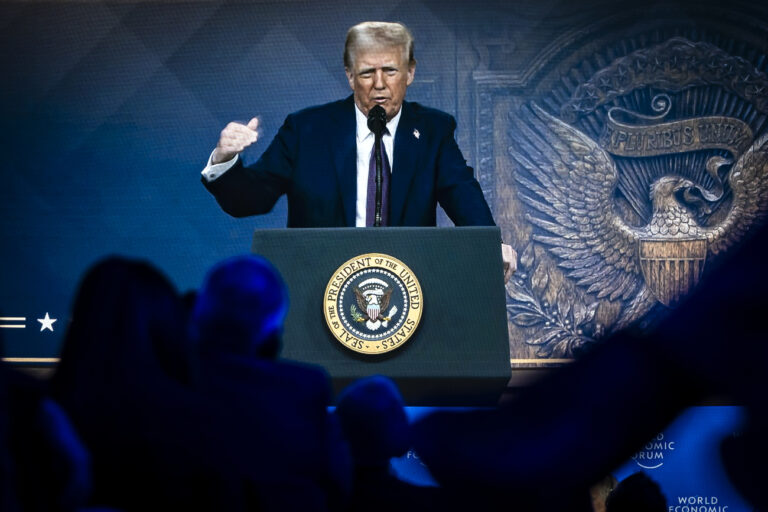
pixel 377 120
pixel 377 123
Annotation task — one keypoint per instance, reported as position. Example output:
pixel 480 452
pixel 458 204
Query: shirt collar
pixel 362 124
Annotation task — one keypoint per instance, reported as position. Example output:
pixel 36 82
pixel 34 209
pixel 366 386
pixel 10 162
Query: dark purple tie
pixel 370 210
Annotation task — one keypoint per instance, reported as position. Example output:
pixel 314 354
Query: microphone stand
pixel 379 179
pixel 377 123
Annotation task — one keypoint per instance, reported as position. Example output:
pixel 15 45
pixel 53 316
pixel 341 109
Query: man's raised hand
pixel 234 138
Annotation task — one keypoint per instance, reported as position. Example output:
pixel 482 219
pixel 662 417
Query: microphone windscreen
pixel 377 119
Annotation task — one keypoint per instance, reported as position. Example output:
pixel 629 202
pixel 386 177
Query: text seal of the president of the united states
pixel 373 303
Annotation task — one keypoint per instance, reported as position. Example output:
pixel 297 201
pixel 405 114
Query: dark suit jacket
pixel 312 159
pixel 276 411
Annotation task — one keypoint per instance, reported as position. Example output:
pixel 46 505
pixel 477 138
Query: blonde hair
pixel 377 34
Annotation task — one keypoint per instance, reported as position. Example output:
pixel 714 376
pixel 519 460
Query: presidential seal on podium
pixel 373 303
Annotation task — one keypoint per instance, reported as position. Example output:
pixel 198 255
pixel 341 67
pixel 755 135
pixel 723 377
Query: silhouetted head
pixel 599 492
pixel 743 456
pixel 636 493
pixel 241 308
pixel 372 416
pixel 127 324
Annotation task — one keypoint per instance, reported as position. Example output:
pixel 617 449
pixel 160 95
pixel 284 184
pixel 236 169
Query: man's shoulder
pixel 346 105
pixel 441 124
pixel 440 121
pixel 321 112
pixel 418 109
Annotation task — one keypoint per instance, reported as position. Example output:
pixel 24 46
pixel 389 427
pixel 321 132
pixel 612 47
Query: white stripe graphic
pixel 31 359
pixel 13 319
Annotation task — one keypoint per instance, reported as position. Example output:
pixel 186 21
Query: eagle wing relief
pixel 568 181
pixel 749 184
pixel 385 299
pixel 362 304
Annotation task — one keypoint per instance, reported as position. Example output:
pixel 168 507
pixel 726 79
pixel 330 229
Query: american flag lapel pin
pixel 416 133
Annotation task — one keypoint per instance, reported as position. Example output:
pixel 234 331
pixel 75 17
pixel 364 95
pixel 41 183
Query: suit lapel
pixel 405 163
pixel 344 147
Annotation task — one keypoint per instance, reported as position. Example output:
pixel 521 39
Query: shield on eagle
pixel 672 267
pixel 373 310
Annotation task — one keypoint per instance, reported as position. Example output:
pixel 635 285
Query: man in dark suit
pixel 275 408
pixel 321 157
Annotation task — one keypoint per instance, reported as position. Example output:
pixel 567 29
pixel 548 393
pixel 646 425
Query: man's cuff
pixel 213 171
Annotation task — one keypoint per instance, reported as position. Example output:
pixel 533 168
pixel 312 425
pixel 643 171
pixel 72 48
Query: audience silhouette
pixel 241 308
pixel 151 442
pixel 599 492
pixel 44 465
pixel 636 493
pixel 236 324
pixel 164 402
pixel 583 420
pixel 373 419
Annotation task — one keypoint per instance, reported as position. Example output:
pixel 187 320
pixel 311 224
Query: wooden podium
pixel 459 353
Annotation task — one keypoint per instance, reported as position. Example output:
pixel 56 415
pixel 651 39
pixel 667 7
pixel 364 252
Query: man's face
pixel 380 77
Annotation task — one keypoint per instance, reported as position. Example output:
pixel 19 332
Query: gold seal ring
pixel 373 303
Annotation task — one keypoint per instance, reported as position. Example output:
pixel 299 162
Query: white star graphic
pixel 46 323
pixel 416 133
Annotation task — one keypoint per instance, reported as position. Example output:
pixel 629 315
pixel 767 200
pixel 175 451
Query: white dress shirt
pixel 364 138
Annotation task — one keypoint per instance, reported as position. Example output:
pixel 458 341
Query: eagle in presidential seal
pixel 373 303
pixel 373 298
pixel 648 171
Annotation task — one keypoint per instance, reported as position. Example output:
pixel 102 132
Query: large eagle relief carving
pixel 631 214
